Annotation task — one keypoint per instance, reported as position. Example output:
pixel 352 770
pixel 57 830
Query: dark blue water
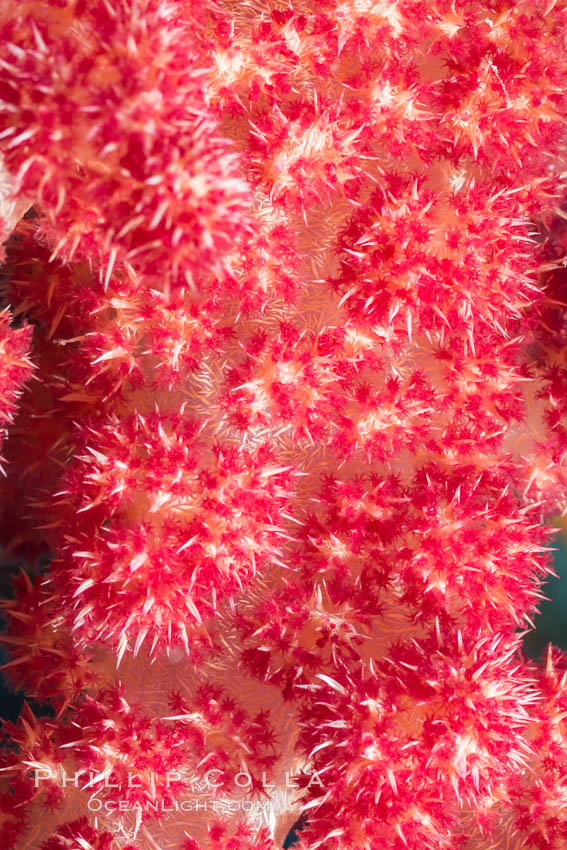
pixel 551 623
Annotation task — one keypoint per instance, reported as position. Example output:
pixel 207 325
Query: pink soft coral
pixel 297 287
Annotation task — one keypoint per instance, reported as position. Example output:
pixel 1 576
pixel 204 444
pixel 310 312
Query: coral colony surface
pixel 283 390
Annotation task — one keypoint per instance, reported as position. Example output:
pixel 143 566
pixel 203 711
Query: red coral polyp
pixel 163 529
pixel 85 135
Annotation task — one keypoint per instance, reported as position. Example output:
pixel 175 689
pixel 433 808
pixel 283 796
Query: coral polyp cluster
pixel 164 526
pixel 91 95
pixel 282 400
